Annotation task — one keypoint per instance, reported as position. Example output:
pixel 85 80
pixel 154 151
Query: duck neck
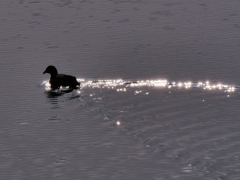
pixel 53 75
pixel 54 72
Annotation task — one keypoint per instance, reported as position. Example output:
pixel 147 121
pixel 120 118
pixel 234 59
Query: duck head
pixel 51 70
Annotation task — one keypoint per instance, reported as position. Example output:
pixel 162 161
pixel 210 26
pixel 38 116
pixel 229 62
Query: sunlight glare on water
pixel 121 85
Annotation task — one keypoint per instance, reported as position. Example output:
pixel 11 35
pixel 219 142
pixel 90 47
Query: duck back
pixel 63 80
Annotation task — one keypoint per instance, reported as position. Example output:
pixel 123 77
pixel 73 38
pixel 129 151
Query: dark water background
pixel 163 134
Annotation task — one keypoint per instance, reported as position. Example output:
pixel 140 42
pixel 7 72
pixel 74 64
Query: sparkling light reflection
pixel 124 85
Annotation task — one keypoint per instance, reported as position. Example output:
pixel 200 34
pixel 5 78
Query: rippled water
pixel 159 96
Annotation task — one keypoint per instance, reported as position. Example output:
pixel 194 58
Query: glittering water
pixel 123 85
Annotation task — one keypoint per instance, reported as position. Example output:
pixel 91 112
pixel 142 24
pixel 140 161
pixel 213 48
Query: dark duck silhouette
pixel 57 80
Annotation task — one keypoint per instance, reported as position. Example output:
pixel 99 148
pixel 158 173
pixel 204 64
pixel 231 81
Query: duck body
pixel 57 80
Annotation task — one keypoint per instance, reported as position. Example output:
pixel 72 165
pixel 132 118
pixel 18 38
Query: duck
pixel 57 80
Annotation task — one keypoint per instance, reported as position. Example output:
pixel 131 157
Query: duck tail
pixel 78 84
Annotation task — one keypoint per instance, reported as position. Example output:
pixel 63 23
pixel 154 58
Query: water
pixel 159 95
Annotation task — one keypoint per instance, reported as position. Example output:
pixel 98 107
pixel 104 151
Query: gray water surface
pixel 120 128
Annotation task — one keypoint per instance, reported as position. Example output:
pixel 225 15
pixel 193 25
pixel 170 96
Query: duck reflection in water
pixel 58 80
